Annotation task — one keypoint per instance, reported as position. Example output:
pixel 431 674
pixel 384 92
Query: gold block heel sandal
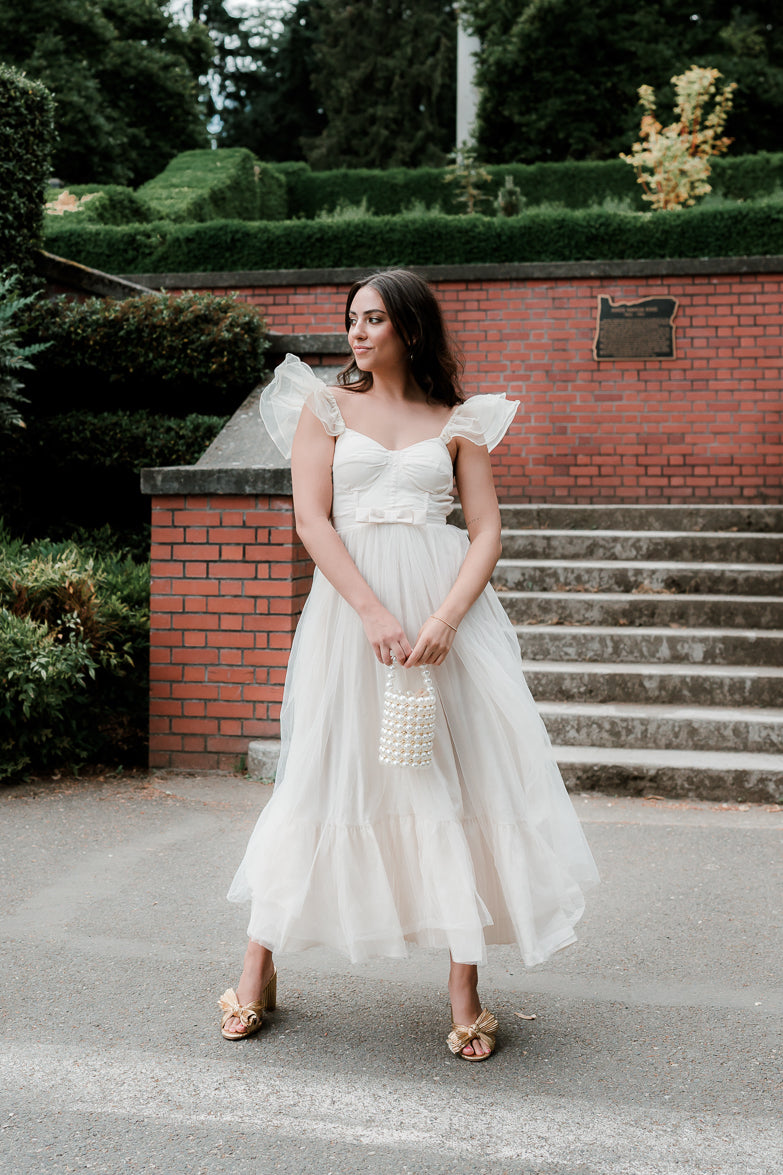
pixel 483 1028
pixel 251 1016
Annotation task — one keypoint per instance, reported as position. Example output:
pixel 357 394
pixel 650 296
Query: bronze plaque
pixel 635 330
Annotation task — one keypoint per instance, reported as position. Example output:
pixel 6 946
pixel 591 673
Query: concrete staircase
pixel 651 637
pixel 652 641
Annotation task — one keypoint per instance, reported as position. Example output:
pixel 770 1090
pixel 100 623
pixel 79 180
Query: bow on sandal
pixel 250 1016
pixel 483 1029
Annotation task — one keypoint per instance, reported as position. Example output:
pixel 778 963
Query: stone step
pixel 538 516
pixel 704 775
pixel 658 545
pixel 659 684
pixel 700 646
pixel 695 728
pixel 617 575
pixel 642 608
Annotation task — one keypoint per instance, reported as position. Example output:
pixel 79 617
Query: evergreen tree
pixel 385 75
pixel 125 80
pixel 266 100
pixel 560 81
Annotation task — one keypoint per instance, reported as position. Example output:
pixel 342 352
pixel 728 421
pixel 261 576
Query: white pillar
pixel 467 93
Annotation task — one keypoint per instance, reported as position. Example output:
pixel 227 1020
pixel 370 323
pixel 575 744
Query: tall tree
pixel 560 81
pixel 125 80
pixel 385 74
pixel 265 98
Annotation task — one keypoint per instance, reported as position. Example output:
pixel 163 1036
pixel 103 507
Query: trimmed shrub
pixel 73 657
pixel 272 193
pixel 747 177
pixel 386 192
pixel 536 235
pixel 205 185
pixel 110 204
pixel 193 353
pixel 26 137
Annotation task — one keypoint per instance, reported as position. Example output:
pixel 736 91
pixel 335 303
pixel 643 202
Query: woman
pixel 482 844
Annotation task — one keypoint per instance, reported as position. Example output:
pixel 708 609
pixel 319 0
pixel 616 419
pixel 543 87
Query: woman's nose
pixel 357 329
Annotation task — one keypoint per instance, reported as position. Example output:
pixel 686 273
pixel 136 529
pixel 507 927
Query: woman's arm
pixel 480 506
pixel 311 475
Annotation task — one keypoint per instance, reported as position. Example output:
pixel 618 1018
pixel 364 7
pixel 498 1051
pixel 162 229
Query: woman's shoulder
pixel 483 419
pixel 294 386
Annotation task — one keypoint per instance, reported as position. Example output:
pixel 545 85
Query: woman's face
pixel 371 336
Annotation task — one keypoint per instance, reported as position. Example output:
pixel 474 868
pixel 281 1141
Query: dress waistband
pixel 376 515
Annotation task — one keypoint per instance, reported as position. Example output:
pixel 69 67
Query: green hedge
pixel 26 137
pixel 110 204
pixel 194 353
pixel 207 185
pixel 574 185
pixel 74 662
pixel 272 192
pixel 552 235
pixel 80 470
pixel 747 177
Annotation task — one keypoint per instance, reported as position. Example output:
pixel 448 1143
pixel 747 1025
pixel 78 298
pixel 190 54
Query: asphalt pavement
pixel 655 1047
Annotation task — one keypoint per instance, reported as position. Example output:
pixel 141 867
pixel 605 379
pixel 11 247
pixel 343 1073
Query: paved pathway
pixel 656 1047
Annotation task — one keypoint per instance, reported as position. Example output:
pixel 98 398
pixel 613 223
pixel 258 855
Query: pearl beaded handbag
pixel 408 720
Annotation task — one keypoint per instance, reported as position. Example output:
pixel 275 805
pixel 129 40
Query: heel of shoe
pixel 269 997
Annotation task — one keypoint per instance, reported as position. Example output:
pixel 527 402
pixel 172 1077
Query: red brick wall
pixel 229 578
pixel 702 427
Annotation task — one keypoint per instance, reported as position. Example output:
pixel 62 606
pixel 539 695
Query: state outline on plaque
pixel 662 312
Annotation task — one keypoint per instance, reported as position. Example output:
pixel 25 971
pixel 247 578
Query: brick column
pixel 229 579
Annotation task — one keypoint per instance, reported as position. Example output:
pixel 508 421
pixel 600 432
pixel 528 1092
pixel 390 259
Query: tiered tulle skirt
pixel 483 846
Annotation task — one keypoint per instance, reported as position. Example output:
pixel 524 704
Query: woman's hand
pixel 385 634
pixel 432 644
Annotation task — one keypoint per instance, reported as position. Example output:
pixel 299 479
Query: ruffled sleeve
pixel 481 419
pixel 282 401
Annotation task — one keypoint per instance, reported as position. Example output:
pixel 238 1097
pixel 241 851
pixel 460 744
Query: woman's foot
pixel 465 1003
pixel 257 969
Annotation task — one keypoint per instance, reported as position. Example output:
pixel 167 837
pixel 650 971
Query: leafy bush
pixel 109 204
pixel 81 470
pixel 193 353
pixel 536 235
pixel 73 657
pixel 13 356
pixel 204 185
pixel 673 163
pixel 26 137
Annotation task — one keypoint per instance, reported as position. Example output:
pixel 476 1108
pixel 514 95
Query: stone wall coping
pixel 83 279
pixel 195 479
pixel 518 271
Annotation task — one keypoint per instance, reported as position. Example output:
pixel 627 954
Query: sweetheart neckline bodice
pixel 404 448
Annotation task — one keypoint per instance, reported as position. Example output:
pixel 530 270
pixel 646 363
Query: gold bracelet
pixel 440 618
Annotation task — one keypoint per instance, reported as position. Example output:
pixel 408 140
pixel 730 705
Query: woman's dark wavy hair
pixel 416 315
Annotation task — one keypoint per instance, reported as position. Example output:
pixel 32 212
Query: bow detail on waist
pixel 412 515
pixel 483 1029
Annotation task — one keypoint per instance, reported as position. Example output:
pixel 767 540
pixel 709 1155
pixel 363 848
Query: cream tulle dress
pixel 483 846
